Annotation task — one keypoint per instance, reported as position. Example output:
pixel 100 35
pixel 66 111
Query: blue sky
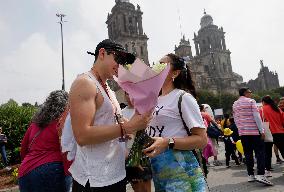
pixel 30 57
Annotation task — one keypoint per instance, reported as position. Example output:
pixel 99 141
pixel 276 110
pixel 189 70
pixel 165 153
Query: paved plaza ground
pixel 234 179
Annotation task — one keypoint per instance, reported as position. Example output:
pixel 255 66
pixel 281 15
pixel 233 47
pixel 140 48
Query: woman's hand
pixel 159 146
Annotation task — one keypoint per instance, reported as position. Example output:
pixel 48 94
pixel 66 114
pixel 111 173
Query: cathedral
pixel 124 25
pixel 211 66
pixel 265 80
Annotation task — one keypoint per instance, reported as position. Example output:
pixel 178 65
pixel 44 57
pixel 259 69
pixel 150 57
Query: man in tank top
pixel 99 163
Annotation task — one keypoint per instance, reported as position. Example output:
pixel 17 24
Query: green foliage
pixel 204 96
pixel 279 90
pixel 216 101
pixel 14 120
pixel 227 101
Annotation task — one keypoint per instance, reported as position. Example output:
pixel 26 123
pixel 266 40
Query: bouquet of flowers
pixel 143 85
pixel 136 157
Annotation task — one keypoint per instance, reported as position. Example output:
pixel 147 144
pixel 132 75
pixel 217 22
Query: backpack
pixel 197 152
pixel 213 131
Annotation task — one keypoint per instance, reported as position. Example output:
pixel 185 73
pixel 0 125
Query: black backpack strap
pixel 180 113
pixel 197 152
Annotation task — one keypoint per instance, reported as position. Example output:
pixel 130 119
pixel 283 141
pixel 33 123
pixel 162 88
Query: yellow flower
pixel 127 66
pixel 158 67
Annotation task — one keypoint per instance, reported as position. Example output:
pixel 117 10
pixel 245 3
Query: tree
pixel 279 90
pixel 15 120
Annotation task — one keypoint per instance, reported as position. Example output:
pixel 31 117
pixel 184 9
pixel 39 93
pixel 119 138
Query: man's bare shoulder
pixel 83 87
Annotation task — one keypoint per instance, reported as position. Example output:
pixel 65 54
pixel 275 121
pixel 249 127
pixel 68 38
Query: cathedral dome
pixel 206 20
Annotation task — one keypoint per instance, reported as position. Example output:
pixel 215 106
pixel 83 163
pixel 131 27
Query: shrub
pixel 14 120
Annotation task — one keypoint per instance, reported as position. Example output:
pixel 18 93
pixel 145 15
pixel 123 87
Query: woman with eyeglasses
pixel 175 168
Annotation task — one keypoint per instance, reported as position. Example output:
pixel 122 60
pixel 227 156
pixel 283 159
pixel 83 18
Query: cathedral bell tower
pixel 210 45
pixel 214 58
pixel 184 48
pixel 124 25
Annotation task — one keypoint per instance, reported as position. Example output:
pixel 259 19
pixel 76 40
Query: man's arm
pixel 83 109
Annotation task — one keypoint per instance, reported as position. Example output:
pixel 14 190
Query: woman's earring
pixel 173 78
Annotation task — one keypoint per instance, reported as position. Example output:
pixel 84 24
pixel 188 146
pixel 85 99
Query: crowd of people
pixel 80 141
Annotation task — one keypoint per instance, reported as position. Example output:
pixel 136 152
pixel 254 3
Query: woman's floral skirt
pixel 177 171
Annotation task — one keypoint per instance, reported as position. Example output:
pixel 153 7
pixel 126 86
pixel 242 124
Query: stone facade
pixel 211 66
pixel 124 25
pixel 265 80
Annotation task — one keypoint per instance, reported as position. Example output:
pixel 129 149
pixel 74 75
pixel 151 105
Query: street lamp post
pixel 61 23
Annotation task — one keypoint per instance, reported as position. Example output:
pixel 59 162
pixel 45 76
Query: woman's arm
pixel 192 118
pixel 197 140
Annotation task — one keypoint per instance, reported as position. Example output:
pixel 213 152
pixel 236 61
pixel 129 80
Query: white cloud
pixel 31 71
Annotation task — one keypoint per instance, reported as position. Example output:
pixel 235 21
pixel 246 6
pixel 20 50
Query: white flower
pixel 158 67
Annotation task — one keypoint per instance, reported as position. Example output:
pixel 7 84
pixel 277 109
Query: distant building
pixel 265 80
pixel 211 66
pixel 124 25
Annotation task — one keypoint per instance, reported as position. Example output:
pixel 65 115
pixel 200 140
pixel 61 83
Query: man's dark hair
pixel 243 90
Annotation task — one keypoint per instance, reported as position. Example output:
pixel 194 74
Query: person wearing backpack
pixel 215 133
pixel 173 146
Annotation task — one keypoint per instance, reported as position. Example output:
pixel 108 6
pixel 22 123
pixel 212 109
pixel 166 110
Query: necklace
pixel 104 85
pixel 118 117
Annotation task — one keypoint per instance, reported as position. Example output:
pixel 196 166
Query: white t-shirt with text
pixel 166 121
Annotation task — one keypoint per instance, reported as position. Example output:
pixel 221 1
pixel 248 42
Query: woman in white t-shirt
pixel 174 166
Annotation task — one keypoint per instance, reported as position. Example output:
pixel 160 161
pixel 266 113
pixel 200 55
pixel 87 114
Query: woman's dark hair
pixel 243 90
pixel 268 100
pixel 51 109
pixel 183 80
